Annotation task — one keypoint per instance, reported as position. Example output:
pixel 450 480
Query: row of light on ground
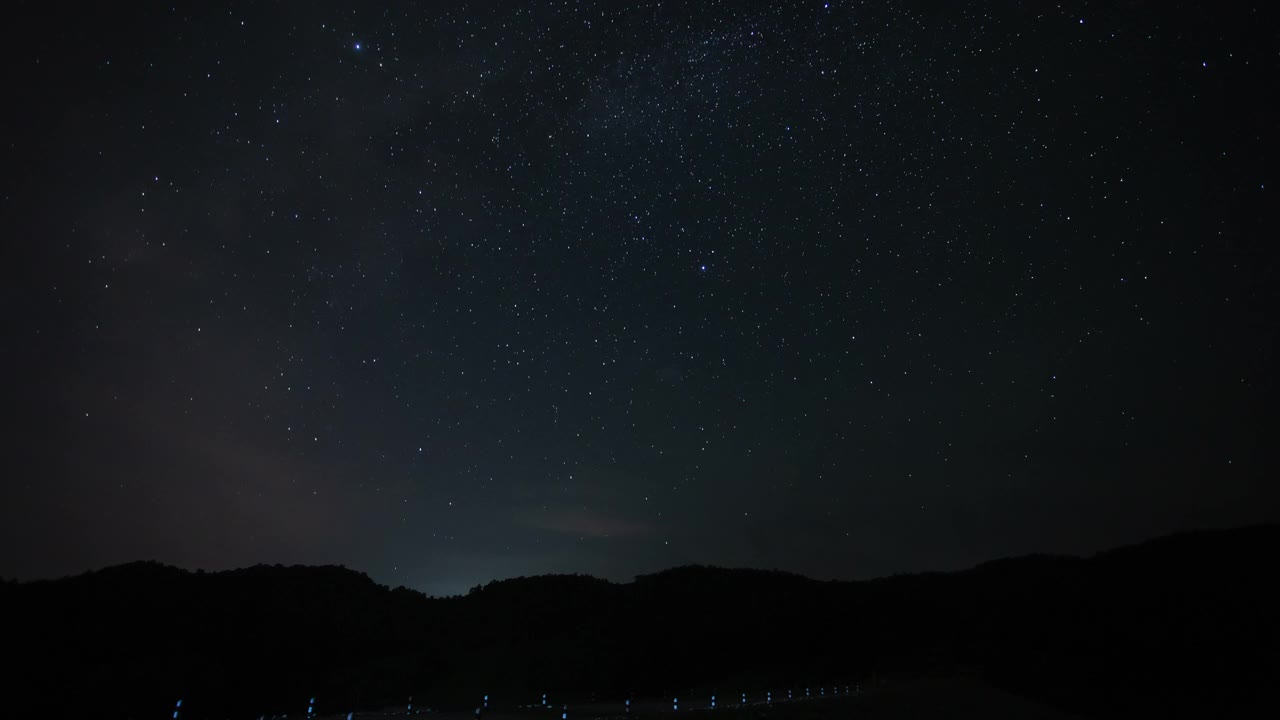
pixel 564 714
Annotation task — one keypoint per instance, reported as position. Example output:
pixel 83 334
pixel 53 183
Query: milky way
pixel 846 289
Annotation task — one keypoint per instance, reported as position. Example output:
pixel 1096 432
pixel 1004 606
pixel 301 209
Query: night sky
pixel 454 292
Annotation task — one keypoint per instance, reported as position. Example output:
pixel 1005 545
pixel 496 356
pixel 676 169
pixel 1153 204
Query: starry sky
pixel 449 292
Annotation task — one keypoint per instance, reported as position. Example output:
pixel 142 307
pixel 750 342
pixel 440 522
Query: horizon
pixel 1184 533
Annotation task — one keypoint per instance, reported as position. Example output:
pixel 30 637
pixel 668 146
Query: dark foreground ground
pixel 1178 627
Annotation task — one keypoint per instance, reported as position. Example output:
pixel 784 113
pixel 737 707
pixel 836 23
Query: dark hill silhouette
pixel 1182 626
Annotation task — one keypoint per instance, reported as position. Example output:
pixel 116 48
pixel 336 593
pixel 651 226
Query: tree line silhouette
pixel 1180 626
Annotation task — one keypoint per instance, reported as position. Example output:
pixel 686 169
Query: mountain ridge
pixel 1174 538
pixel 1179 623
